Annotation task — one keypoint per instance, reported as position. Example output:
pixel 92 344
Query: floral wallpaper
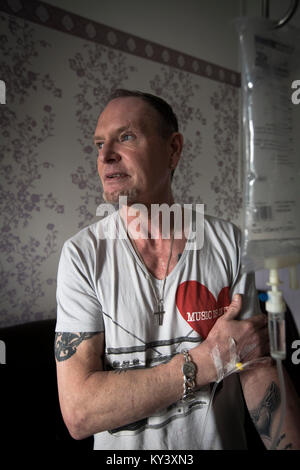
pixel 59 69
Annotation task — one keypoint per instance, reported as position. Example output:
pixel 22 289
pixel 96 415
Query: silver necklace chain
pixel 160 301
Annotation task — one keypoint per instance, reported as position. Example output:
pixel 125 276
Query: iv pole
pixel 265 12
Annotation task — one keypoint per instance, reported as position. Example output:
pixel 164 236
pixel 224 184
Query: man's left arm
pixel 264 401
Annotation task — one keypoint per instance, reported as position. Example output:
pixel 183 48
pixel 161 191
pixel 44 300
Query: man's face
pixel 133 158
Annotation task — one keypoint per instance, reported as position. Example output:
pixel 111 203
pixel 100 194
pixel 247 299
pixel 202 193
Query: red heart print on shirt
pixel 199 307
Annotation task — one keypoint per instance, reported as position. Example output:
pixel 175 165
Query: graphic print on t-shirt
pixel 199 307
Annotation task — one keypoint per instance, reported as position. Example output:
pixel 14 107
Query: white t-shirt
pixel 103 286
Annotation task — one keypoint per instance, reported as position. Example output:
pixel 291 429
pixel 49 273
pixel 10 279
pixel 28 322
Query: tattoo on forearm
pixel 263 415
pixel 66 344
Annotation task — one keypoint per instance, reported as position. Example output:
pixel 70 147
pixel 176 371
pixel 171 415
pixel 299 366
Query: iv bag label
pixel 273 209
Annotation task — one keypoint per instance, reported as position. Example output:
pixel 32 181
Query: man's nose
pixel 108 153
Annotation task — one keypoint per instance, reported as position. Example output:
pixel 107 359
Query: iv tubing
pixel 283 403
pixel 276 307
pixel 239 366
pixel 274 304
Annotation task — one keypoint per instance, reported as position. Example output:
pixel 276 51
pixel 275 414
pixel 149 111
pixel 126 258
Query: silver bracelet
pixel 189 376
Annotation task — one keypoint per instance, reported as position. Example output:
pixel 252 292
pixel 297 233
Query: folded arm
pixel 93 400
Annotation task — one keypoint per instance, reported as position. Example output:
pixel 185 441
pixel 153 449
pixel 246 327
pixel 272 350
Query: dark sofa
pixel 29 389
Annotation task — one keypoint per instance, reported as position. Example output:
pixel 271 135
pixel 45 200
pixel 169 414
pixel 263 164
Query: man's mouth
pixel 115 176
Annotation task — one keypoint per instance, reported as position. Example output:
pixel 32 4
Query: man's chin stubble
pixel 113 196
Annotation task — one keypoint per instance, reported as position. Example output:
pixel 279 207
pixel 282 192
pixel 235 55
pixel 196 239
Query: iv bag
pixel 270 68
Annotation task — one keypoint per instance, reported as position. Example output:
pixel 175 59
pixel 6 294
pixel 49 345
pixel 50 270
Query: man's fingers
pixel 234 308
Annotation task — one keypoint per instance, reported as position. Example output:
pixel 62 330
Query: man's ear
pixel 176 144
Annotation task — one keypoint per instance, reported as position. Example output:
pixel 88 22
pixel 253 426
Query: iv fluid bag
pixel 270 61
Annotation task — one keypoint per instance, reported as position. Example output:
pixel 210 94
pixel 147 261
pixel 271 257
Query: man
pixel 128 307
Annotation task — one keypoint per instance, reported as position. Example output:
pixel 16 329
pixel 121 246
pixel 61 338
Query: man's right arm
pixel 93 400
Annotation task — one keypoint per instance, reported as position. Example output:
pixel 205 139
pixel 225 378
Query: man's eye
pixel 126 137
pixel 99 145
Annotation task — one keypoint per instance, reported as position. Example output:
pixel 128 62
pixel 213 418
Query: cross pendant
pixel 160 313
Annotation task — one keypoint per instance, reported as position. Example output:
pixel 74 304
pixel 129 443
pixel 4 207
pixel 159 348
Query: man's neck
pixel 153 222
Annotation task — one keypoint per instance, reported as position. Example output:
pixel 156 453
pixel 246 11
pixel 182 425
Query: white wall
pixel 201 28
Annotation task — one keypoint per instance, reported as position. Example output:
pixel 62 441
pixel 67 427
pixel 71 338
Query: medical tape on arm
pixel 225 369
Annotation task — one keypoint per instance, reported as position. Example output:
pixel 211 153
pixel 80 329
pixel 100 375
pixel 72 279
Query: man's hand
pixel 250 336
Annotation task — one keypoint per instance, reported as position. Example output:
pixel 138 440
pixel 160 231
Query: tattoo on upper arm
pixel 263 415
pixel 280 439
pixel 66 344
